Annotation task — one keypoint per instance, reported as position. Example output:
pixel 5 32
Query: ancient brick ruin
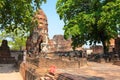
pixel 36 42
pixel 39 39
pixel 58 43
pixel 5 55
pixel 4 49
pixel 39 36
pixel 117 44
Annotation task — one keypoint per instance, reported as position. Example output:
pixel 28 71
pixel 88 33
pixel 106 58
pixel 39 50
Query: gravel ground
pixel 94 71
pixel 9 72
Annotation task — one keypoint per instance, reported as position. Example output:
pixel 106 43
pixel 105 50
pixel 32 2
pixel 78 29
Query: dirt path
pixel 9 72
pixel 95 71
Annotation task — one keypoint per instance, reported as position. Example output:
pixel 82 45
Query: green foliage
pixel 90 20
pixel 16 42
pixel 17 14
pixel 16 20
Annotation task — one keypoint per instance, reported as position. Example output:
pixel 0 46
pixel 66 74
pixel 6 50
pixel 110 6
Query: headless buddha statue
pixel 4 49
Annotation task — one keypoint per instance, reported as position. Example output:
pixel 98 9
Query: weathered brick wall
pixel 32 72
pixel 117 44
pixel 27 71
pixel 30 75
pixel 61 63
pixel 67 76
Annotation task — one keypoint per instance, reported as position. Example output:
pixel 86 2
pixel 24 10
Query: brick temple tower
pixel 39 36
pixel 42 27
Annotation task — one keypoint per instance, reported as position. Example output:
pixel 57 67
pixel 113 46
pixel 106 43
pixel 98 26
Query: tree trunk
pixel 105 50
pixel 104 47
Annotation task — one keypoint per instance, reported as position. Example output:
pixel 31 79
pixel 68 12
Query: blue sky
pixel 55 25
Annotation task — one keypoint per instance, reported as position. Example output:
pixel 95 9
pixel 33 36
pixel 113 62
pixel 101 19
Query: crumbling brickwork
pixel 58 43
pixel 38 39
pixel 117 44
pixel 5 55
pixel 39 35
pixel 4 49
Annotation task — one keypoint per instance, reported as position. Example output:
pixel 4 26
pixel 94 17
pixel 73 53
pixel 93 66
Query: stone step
pixel 7 60
pixel 67 76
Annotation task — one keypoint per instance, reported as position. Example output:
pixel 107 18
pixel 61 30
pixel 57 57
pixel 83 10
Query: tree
pixel 19 43
pixel 15 41
pixel 16 20
pixel 17 14
pixel 96 21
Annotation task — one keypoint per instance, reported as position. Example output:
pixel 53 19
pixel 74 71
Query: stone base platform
pixel 34 69
pixel 66 76
pixel 7 60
